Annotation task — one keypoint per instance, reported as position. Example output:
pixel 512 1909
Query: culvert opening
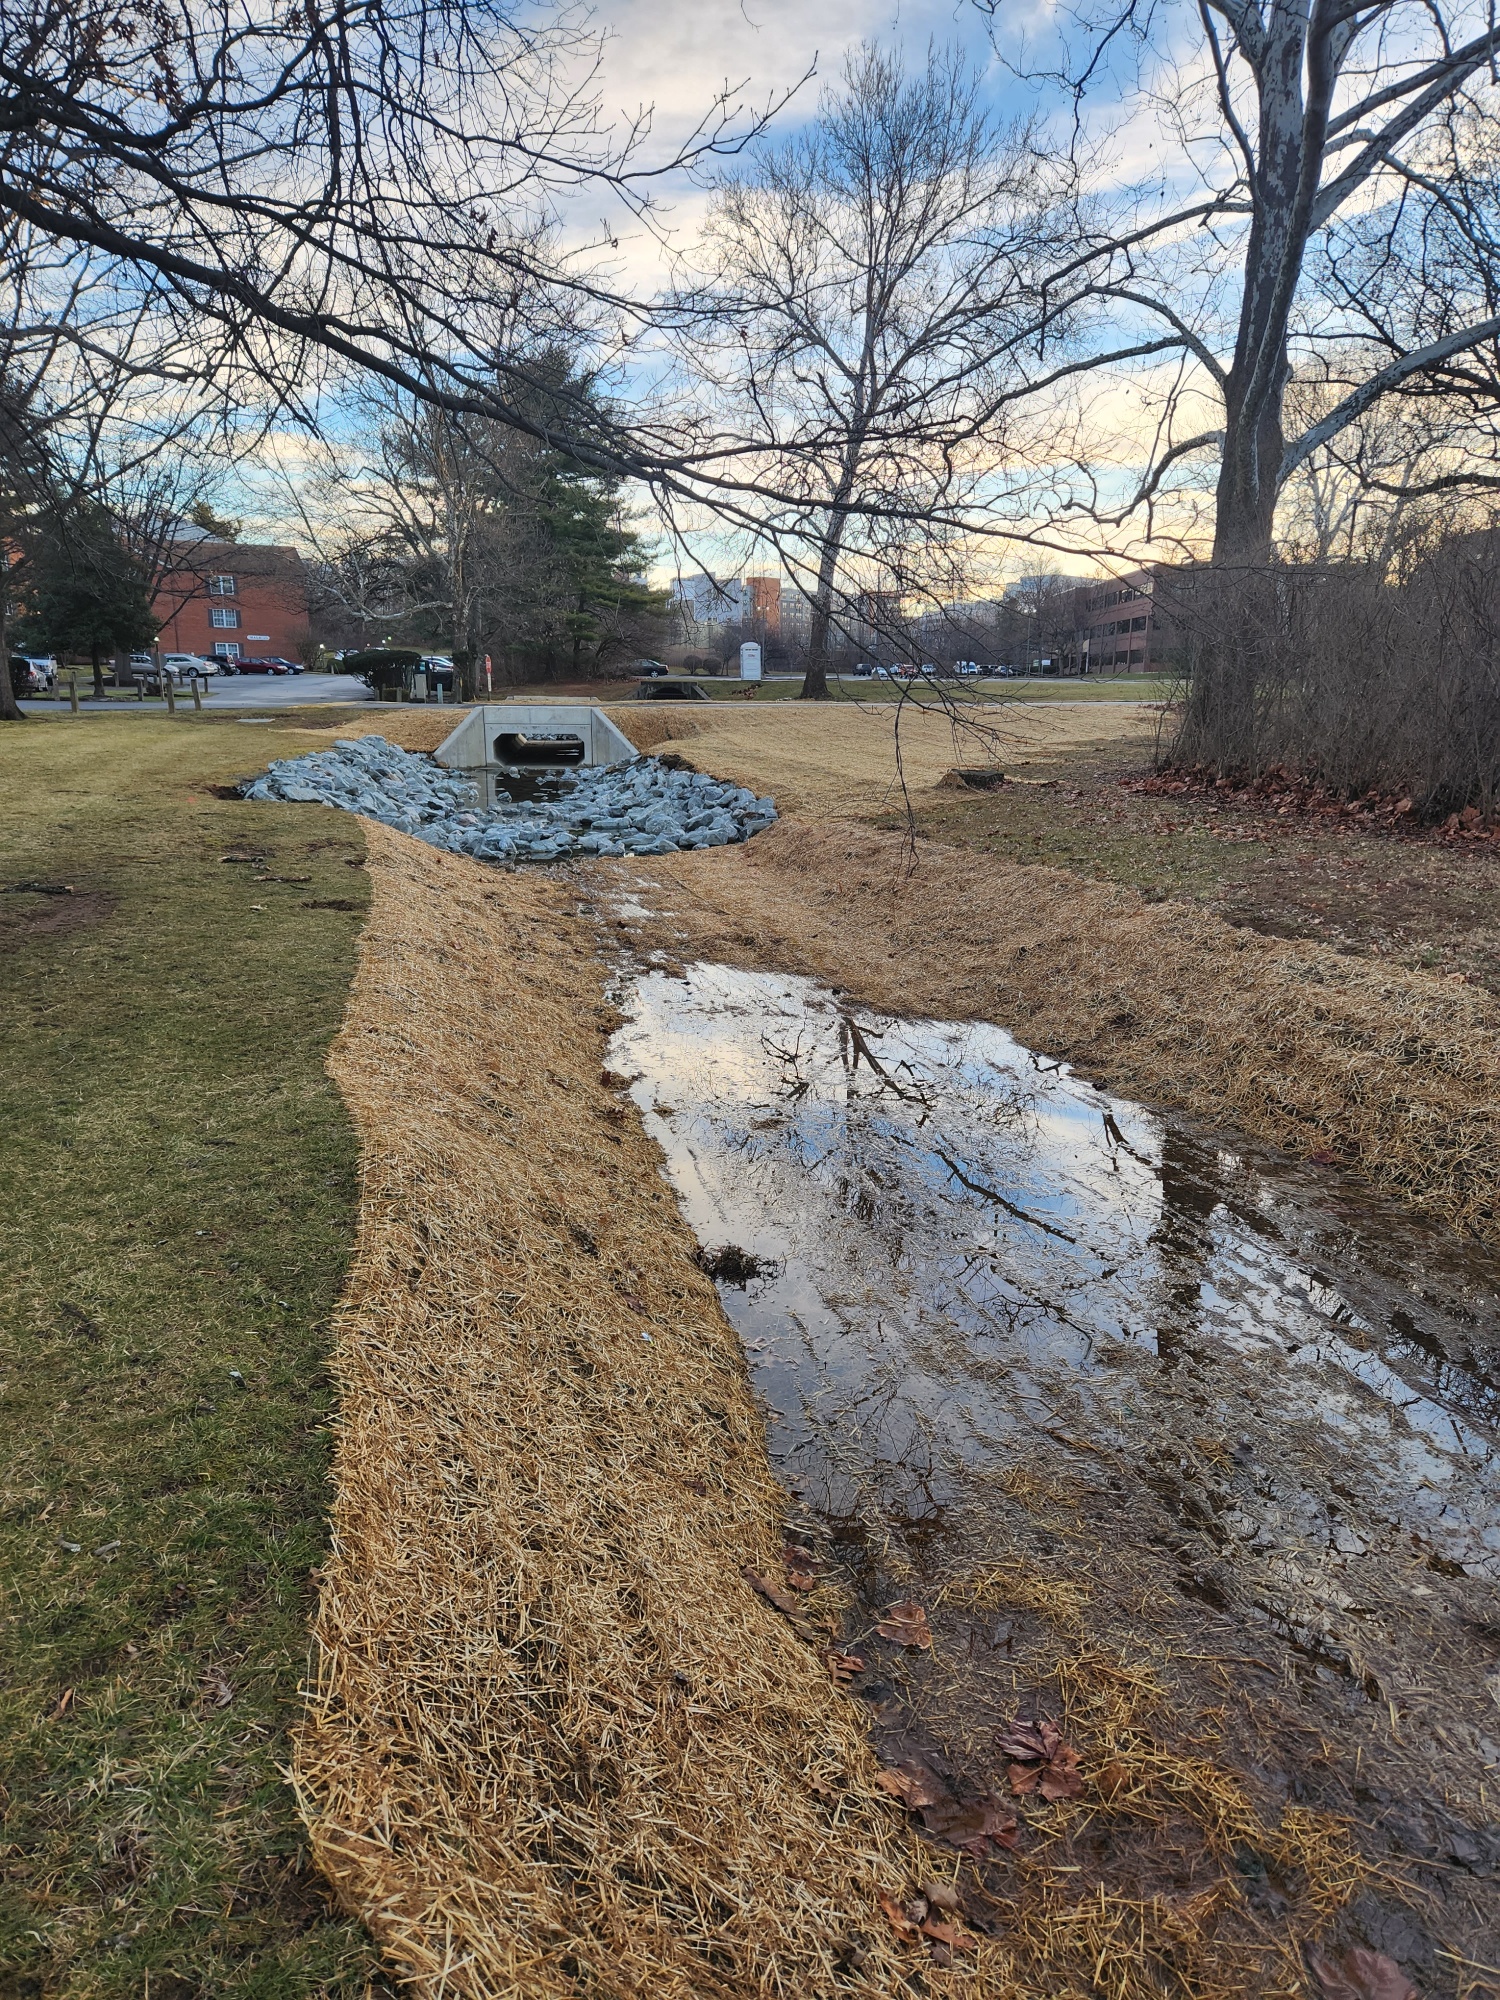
pixel 511 747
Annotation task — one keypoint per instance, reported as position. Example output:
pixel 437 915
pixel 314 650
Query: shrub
pixel 1360 679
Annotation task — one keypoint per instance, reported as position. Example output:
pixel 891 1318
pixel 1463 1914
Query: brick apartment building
pixel 232 600
pixel 1117 630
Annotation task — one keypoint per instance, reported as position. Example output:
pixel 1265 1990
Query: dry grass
pixel 822 760
pixel 1394 1073
pixel 556 1745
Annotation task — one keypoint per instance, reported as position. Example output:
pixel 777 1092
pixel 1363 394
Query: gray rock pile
pixel 638 807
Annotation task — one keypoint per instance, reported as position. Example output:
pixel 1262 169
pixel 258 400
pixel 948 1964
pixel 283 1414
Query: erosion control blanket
pixel 557 1745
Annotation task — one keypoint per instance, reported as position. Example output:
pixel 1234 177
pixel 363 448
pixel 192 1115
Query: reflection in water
pixel 968 1250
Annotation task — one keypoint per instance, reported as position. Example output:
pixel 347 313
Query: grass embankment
pixel 180 1207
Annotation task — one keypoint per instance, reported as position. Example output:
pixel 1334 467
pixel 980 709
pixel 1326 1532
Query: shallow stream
pixel 1005 1323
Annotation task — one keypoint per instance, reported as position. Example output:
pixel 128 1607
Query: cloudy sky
pixel 674 56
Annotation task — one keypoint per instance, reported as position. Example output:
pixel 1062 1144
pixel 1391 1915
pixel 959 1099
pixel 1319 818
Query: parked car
pixel 32 673
pixel 41 671
pixel 183 666
pixel 261 666
pixel 967 668
pixel 439 671
pixel 652 668
pixel 864 671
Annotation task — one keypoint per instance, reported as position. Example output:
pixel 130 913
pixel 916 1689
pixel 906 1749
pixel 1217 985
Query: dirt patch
pixel 27 913
pixel 1393 1073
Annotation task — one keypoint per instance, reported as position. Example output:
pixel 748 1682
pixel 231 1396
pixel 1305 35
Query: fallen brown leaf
pixel 950 1935
pixel 1061 1779
pixel 914 1784
pixel 789 1608
pixel 843 1666
pixel 1361 1974
pixel 772 1595
pixel 899 1921
pixel 1027 1739
pixel 905 1624
pixel 1045 1763
pixel 973 1828
pixel 64 1703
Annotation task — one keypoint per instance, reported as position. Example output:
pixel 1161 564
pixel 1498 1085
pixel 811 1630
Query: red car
pixel 263 666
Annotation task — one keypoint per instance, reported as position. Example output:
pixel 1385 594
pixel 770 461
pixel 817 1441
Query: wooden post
pixel 73 690
pixel 197 695
pixel 140 687
pixel 169 691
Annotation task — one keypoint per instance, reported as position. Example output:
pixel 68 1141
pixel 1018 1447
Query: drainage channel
pixel 1068 1374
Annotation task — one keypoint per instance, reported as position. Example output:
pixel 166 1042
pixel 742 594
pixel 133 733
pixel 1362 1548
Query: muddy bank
pixel 1394 1075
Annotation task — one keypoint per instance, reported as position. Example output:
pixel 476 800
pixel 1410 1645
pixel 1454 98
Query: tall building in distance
pixel 712 600
pixel 763 603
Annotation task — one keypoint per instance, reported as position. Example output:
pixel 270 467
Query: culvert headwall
pixel 498 738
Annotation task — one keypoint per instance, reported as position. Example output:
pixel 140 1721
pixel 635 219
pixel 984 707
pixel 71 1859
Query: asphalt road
pixel 241 691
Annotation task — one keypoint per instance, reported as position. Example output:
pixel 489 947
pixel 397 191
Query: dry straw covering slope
pixel 556 1744
pixel 822 758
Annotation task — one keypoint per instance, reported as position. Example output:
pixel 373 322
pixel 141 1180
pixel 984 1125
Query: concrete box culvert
pixel 497 739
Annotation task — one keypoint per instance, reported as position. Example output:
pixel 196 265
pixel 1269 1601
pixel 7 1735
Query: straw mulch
pixel 556 1745
pixel 833 758
pixel 1393 1073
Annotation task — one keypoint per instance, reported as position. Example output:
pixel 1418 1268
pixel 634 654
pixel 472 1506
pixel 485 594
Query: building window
pixel 221 586
pixel 227 649
pixel 1137 624
pixel 224 620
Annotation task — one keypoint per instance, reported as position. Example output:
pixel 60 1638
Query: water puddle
pixel 973 1263
pixel 1066 1371
pixel 964 1248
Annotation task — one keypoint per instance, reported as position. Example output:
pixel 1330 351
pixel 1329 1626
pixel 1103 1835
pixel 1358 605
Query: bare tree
pixel 357 184
pixel 470 534
pixel 864 286
pixel 1404 466
pixel 1301 128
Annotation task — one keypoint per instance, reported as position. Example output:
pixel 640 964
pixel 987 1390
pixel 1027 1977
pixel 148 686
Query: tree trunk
pixel 815 681
pixel 98 659
pixel 10 708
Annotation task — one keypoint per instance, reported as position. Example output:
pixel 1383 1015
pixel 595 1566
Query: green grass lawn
pixel 180 1191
